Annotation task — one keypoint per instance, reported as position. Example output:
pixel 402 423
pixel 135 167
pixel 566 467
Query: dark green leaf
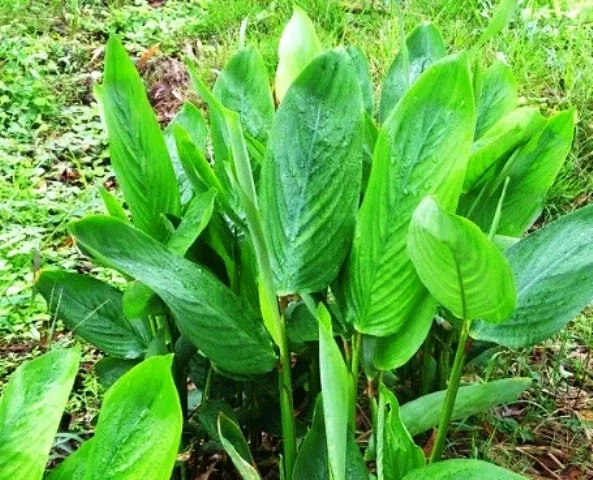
pixel 207 313
pixel 236 446
pixel 31 407
pixel 109 369
pixel 138 151
pixel 310 183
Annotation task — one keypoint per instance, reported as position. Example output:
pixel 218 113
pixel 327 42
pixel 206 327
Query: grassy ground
pixel 53 157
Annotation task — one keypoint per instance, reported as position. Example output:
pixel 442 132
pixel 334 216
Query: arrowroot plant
pixel 295 243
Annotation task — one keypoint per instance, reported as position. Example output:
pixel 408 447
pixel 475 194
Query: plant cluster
pixel 281 247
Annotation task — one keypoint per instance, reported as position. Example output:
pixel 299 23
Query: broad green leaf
pixel 298 45
pixel 424 413
pixel 465 469
pixel 194 221
pixel 139 429
pixel 234 443
pixel 460 266
pixel 531 172
pixel 364 77
pixel 109 369
pixel 553 269
pixel 396 453
pixel 496 98
pixel 189 118
pixel 312 462
pixel 425 46
pixel 92 309
pixel 301 325
pixel 138 151
pixel 74 467
pixel 112 204
pixel 244 87
pixel 202 306
pixel 422 149
pixel 335 388
pixel 499 141
pixel 310 182
pixel 500 18
pixel 139 301
pixel 31 407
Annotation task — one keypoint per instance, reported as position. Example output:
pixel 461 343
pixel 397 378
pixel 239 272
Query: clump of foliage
pixel 254 240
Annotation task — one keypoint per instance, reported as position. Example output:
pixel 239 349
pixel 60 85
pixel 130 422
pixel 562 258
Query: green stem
pixel 451 394
pixel 208 385
pixel 354 371
pixel 426 364
pixel 286 407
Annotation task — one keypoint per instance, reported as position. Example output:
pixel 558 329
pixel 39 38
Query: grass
pixel 53 156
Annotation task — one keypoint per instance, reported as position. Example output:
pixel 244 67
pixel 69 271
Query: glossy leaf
pixel 424 413
pixel 461 268
pixel 363 74
pixel 312 461
pixel 138 151
pixel 512 130
pixel 234 443
pixel 553 268
pixel 202 306
pixel 93 310
pixel 335 388
pixel 298 45
pixel 497 96
pixel 74 467
pixel 31 407
pixel 461 468
pixel 397 453
pixel 244 87
pixel 191 119
pixel 310 182
pixel 422 149
pixel 139 429
pixel 425 46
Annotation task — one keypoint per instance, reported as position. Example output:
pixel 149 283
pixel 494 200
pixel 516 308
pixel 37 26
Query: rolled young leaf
pixel 234 443
pixel 310 182
pixel 203 306
pixel 424 413
pixel 461 268
pixel 553 268
pixel 112 204
pixel 497 96
pixel 425 46
pixel 138 151
pixel 92 309
pixel 422 149
pixel 139 428
pixel 298 45
pixel 335 388
pixel 461 468
pixel 31 407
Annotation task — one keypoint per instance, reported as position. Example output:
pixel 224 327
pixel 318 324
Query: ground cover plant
pixel 349 223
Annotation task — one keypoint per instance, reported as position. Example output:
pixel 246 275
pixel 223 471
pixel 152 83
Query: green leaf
pixel 461 468
pixel 500 19
pixel 93 310
pixel 499 141
pixel 425 46
pixel 138 151
pixel 298 45
pixel 194 221
pixel 301 325
pixel 244 87
pixel 191 120
pixel 233 442
pixel 139 428
pixel 202 306
pixel 424 413
pixel 312 461
pixel 369 140
pixel 422 149
pixel 31 407
pixel 460 266
pixel 112 205
pixel 553 268
pixel 139 301
pixel 109 369
pixel 335 388
pixel 497 96
pixel 74 467
pixel 363 74
pixel 397 453
pixel 531 172
pixel 310 182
